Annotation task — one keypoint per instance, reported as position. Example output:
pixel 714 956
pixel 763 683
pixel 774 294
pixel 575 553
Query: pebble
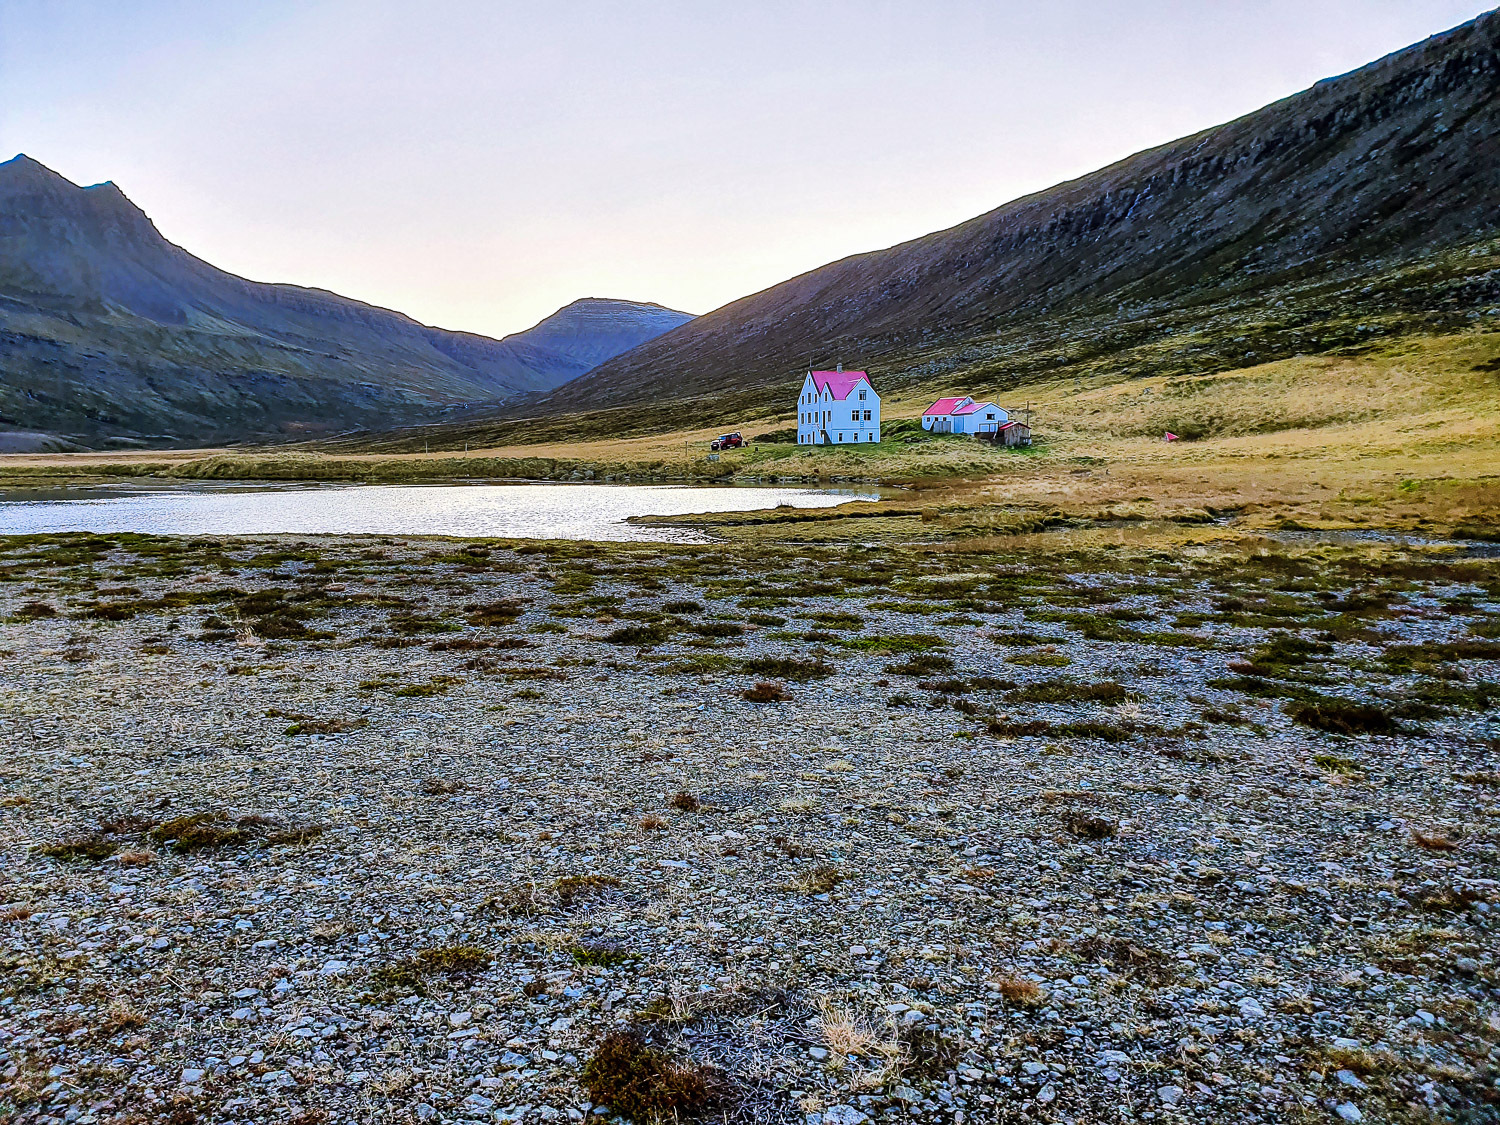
pixel 957 883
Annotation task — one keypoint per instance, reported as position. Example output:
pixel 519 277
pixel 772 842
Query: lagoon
pixel 505 510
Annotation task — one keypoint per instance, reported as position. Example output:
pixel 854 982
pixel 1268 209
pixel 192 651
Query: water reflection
pixel 540 511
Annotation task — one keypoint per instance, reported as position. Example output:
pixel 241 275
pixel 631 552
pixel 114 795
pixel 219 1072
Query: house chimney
pixel 839 367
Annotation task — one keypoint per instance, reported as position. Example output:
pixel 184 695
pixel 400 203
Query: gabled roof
pixel 972 407
pixel 838 383
pixel 945 405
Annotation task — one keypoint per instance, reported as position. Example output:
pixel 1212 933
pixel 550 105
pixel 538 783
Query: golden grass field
pixel 1404 437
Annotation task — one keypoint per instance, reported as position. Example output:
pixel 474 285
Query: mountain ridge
pixel 109 330
pixel 1356 175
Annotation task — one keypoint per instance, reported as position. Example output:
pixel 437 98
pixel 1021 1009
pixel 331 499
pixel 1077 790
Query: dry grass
pixel 575 888
pixel 1405 435
pixel 820 880
pixel 844 1032
pixel 850 1035
pixel 121 1017
pixel 766 692
pixel 1018 991
pixel 1433 843
pixel 1087 826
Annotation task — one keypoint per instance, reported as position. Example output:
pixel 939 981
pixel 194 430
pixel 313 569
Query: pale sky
pixel 479 164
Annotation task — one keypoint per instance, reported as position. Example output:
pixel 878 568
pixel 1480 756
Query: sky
pixel 478 164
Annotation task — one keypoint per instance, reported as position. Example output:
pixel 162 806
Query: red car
pixel 728 441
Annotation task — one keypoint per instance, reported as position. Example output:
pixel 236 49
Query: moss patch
pixel 644 1083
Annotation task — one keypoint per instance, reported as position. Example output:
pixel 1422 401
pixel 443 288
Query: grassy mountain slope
pixel 1404 436
pixel 109 330
pixel 1357 209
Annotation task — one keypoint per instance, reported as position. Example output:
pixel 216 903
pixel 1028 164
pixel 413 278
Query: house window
pixel 861 396
pixel 867 415
pixel 841 435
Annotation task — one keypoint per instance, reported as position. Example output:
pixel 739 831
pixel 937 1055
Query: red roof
pixel 838 383
pixel 972 407
pixel 944 405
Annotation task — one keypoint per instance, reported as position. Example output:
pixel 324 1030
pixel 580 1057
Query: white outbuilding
pixel 963 416
pixel 838 408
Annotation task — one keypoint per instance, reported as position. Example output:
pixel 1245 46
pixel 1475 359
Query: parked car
pixel 728 441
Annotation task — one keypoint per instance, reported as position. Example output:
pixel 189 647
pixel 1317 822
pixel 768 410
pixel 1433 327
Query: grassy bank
pixel 1404 437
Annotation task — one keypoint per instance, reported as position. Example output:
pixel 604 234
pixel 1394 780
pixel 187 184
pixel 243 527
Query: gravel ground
pixel 385 830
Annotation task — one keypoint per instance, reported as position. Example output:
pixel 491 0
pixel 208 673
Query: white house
pixel 837 408
pixel 963 416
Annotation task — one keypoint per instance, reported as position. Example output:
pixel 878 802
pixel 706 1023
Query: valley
pixel 1402 436
pixel 1146 774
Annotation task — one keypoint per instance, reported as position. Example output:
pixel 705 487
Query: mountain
pixel 109 331
pixel 594 329
pixel 1358 208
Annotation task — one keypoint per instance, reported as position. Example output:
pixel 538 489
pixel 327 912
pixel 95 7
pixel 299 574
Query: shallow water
pixel 522 510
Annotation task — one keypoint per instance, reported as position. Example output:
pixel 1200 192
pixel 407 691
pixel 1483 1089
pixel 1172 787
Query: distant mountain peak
pixel 621 302
pixel 32 187
pixel 599 328
pixel 21 161
pixel 22 171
